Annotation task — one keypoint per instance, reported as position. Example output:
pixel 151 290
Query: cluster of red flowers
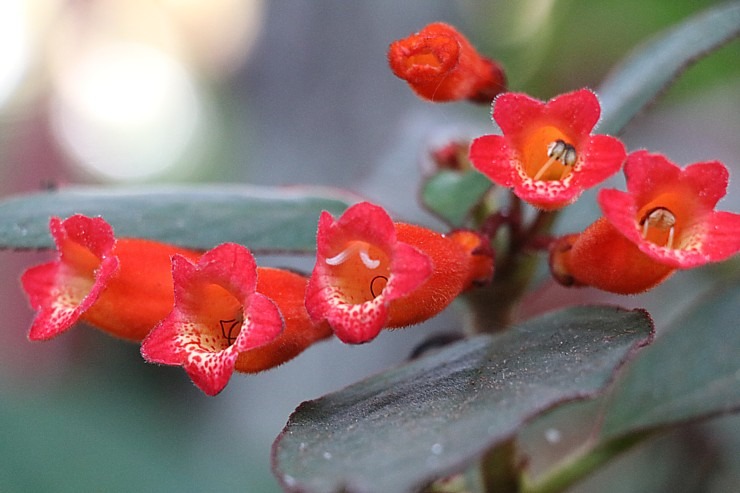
pixel 216 312
pixel 548 156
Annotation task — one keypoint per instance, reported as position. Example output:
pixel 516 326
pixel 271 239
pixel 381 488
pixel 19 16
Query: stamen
pixel 558 150
pixel 342 256
pixel 569 158
pixel 660 218
pixel 369 263
pixel 545 167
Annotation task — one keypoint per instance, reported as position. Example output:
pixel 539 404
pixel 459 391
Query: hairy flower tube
pixel 372 273
pixel 217 315
pixel 665 221
pixel 123 287
pixel 547 153
pixel 441 65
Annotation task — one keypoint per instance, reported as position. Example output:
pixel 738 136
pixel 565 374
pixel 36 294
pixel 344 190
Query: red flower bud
pixel 441 65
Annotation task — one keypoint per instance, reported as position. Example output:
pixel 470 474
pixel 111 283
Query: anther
pixel 342 256
pixel 660 218
pixel 558 150
pixel 367 261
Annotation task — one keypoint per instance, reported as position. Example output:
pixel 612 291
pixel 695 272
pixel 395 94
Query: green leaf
pixel 452 194
pixel 692 371
pixel 636 82
pixel 434 416
pixel 262 218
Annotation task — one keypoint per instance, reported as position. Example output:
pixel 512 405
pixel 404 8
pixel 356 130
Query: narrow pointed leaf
pixel 262 218
pixel 435 416
pixel 645 73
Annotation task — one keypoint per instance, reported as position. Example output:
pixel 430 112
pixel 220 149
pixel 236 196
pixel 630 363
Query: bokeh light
pixel 126 111
pixel 14 39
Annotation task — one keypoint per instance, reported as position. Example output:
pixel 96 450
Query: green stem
pixel 492 308
pixel 572 470
pixel 499 468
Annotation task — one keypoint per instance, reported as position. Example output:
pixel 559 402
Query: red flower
pixel 669 212
pixel 287 290
pixel 371 273
pixel 441 65
pixel 603 258
pixel 217 315
pixel 665 221
pixel 547 153
pixel 123 287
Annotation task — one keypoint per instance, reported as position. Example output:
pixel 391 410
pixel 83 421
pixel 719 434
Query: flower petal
pixel 492 156
pixel 603 158
pixel 578 111
pixel 698 234
pixel 61 291
pixel 216 316
pixel 546 153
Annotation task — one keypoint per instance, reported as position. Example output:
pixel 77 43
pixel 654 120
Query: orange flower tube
pixel 603 258
pixel 441 65
pixel 287 290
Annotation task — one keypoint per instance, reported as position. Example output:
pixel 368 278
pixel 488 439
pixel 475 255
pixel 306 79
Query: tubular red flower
pixel 603 258
pixel 665 221
pixel 440 65
pixel 216 316
pixel 669 213
pixel 287 290
pixel 122 287
pixel 371 273
pixel 547 153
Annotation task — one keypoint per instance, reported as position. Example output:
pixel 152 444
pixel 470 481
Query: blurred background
pixel 270 93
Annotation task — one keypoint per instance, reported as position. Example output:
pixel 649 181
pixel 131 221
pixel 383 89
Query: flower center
pixel 217 317
pixel 230 329
pixel 360 271
pixel 558 151
pixel 659 227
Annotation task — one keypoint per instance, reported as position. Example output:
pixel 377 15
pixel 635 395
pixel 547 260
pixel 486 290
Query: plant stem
pixel 499 468
pixel 573 469
pixel 493 307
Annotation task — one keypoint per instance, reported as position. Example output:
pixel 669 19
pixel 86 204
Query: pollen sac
pixel 658 226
